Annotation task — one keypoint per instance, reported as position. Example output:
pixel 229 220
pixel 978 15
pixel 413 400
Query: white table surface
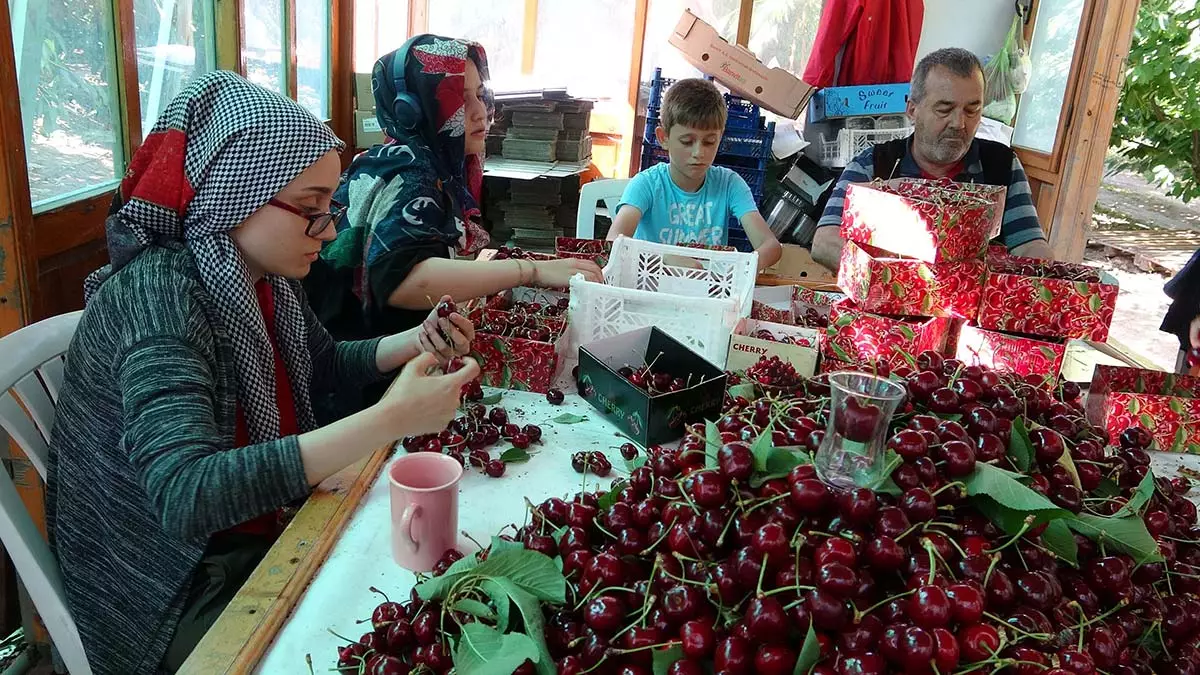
pixel 362 557
pixel 339 595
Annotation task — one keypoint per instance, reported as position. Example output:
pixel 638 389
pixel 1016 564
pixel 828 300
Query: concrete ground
pixel 1126 202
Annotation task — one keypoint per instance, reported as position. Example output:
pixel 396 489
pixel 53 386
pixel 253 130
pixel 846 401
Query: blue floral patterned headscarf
pixel 420 186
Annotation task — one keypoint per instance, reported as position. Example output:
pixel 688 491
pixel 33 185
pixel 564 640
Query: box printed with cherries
pixel 1020 354
pixel 812 308
pixel 859 337
pixel 1051 298
pixel 517 350
pixel 596 250
pixel 1165 404
pixel 883 283
pixel 936 221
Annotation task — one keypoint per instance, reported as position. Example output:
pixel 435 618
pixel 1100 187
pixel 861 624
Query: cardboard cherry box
pixel 1055 299
pixel 647 419
pixel 753 340
pixel 883 283
pixel 812 307
pixel 596 250
pixel 936 221
pixel 1020 354
pixel 525 299
pixel 1165 404
pixel 858 337
pixel 506 253
pixel 773 304
pixel 736 67
pixel 512 362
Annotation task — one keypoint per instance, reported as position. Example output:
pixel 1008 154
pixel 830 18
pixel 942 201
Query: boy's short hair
pixel 693 103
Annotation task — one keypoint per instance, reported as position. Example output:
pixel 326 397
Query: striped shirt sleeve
pixel 859 170
pixel 1021 224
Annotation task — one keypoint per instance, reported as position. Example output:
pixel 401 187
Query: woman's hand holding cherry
pixel 445 333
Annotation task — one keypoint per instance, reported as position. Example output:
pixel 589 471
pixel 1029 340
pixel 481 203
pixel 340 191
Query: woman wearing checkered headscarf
pixel 185 420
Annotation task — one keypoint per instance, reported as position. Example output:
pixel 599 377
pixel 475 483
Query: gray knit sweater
pixel 141 467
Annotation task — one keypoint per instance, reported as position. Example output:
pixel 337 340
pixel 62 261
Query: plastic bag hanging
pixel 1007 75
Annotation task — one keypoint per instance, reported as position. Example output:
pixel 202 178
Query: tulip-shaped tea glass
pixel 860 410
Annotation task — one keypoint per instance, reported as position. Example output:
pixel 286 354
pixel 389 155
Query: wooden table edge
pixel 245 630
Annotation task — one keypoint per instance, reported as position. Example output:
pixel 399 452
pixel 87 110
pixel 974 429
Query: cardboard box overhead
pixel 737 68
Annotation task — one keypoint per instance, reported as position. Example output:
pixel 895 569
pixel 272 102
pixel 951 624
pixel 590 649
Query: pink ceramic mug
pixel 424 490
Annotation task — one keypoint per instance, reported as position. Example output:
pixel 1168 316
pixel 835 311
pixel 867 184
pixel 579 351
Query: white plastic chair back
pixel 31 374
pixel 608 190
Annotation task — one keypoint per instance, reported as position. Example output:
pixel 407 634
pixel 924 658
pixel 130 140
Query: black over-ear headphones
pixel 406 108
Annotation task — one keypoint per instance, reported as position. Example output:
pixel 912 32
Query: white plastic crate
pixel 850 142
pixel 698 307
pixel 645 266
pixel 600 311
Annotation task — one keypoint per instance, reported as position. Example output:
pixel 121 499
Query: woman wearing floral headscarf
pixel 413 203
pixel 185 420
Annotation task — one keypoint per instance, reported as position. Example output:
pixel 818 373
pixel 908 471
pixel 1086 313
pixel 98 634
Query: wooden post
pixel 529 37
pixel 1102 69
pixel 341 93
pixel 17 264
pixel 289 48
pixel 745 11
pixel 18 278
pixel 228 20
pixel 630 146
pixel 418 17
pixel 127 77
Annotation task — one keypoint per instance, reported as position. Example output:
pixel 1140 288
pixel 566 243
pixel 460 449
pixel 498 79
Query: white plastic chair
pixel 609 190
pixel 31 374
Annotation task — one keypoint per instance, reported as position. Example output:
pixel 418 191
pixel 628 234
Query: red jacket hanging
pixel 880 37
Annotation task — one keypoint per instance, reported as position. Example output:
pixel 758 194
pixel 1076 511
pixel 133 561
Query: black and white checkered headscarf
pixel 220 150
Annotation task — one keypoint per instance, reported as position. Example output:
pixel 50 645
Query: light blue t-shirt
pixel 672 216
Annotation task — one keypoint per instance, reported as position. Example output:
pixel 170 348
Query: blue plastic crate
pixel 658 87
pixel 737 118
pixel 737 237
pixel 741 114
pixel 751 171
pixel 753 143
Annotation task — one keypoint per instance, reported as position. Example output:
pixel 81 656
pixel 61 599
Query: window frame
pixel 1047 163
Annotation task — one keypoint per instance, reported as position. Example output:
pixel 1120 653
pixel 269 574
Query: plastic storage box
pixel 698 307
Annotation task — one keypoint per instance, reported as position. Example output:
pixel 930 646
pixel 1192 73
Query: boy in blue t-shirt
pixel 688 200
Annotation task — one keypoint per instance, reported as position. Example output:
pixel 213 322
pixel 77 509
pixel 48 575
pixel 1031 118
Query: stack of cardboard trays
pixel 542 127
pixel 531 213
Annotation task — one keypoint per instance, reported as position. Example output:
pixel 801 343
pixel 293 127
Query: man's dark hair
pixel 955 59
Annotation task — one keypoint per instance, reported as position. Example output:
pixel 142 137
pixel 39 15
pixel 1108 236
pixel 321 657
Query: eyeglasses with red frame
pixel 317 222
